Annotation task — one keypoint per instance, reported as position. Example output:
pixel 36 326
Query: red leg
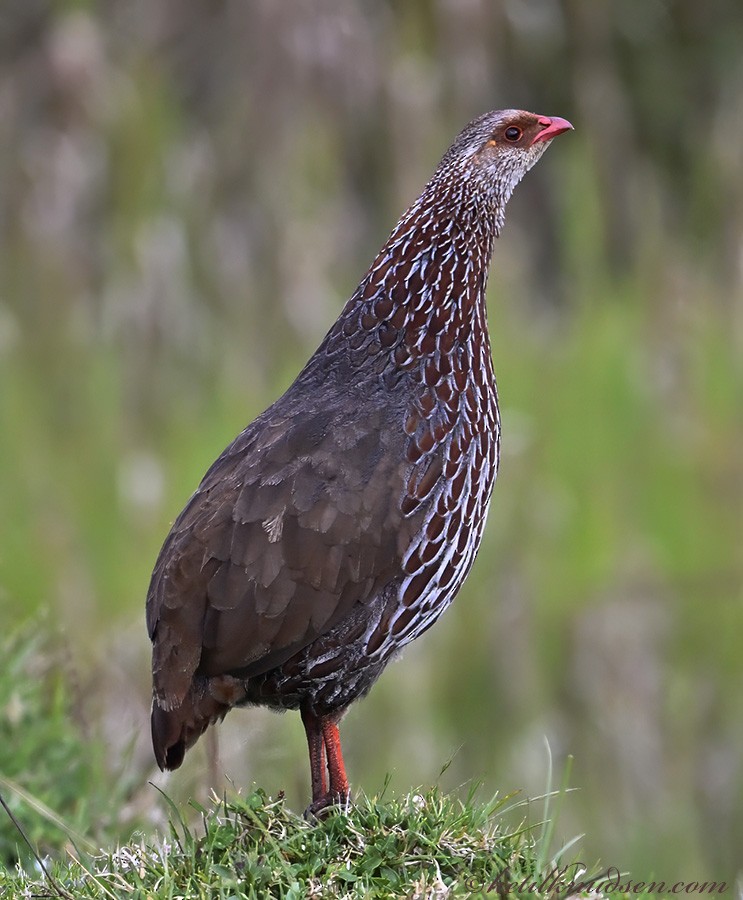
pixel 316 746
pixel 339 790
pixel 326 758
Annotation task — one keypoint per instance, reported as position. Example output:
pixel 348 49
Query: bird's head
pixel 496 150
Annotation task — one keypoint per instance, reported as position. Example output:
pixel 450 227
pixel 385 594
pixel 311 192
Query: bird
pixel 340 524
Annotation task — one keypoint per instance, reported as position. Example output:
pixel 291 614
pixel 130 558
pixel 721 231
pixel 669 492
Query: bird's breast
pixel 453 434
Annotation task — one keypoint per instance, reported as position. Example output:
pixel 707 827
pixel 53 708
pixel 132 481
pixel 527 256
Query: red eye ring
pixel 512 134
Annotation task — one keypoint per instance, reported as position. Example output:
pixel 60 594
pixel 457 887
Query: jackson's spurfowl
pixel 341 523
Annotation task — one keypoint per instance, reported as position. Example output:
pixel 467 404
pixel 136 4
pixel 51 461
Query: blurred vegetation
pixel 53 771
pixel 189 193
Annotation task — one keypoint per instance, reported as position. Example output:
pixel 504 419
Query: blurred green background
pixel 188 194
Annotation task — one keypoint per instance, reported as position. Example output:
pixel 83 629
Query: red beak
pixel 552 126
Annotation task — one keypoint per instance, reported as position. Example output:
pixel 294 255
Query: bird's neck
pixel 423 297
pixel 427 283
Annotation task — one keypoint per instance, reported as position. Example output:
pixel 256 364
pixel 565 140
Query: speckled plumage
pixel 341 523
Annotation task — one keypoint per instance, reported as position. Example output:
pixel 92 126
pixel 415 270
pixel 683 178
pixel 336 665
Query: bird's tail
pixel 176 730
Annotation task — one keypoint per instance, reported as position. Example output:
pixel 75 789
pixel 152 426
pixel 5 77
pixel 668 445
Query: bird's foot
pixel 332 802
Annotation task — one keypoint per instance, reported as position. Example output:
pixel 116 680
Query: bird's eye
pixel 512 134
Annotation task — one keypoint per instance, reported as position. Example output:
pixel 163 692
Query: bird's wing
pixel 295 523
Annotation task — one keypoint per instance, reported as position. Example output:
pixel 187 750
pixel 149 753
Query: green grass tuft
pixel 255 847
pixel 420 845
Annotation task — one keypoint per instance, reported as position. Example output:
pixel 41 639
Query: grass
pixel 423 845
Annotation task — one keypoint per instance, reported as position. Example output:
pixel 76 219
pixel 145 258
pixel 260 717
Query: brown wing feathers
pixel 294 538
